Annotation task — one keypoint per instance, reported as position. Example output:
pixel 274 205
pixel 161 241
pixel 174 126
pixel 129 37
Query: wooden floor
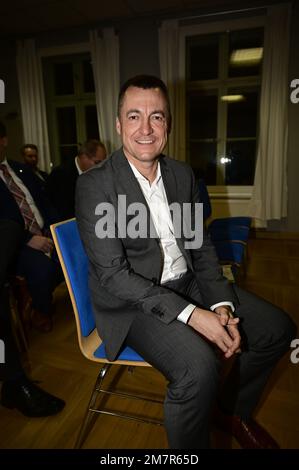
pixel 58 365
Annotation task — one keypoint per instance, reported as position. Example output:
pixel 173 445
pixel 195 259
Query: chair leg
pixel 18 324
pixel 23 303
pixel 87 421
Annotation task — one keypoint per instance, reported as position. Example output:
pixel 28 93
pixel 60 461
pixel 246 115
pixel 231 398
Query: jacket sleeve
pixel 109 260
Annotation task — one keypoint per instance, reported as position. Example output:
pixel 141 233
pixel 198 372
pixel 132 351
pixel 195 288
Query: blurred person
pixel 29 153
pixel 62 180
pixel 23 200
pixel 18 391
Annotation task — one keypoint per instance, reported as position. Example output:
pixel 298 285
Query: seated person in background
pixel 29 153
pixel 17 390
pixel 61 183
pixel 23 200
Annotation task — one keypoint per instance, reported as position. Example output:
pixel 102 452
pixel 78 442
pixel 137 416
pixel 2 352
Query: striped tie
pixel 29 219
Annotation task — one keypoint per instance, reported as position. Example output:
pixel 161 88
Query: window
pixel 71 107
pixel 223 79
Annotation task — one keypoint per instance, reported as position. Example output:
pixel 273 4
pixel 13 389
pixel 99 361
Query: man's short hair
pixel 146 82
pixel 3 132
pixel 90 148
pixel 28 146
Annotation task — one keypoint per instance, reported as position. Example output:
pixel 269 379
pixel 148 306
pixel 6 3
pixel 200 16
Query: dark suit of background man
pixel 34 262
pixel 61 183
pixel 17 390
pixel 169 303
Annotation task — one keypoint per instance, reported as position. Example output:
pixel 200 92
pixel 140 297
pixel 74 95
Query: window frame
pixel 61 53
pixel 228 192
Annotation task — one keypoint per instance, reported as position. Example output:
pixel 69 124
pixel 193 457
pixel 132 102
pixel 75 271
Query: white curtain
pixel 33 107
pixel 105 65
pixel 269 198
pixel 169 46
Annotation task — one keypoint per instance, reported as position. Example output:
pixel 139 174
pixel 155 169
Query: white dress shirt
pixel 174 263
pixel 77 166
pixel 29 198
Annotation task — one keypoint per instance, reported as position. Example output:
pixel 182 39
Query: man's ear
pixel 118 126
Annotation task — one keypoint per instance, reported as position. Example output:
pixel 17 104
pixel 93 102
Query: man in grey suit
pixel 166 298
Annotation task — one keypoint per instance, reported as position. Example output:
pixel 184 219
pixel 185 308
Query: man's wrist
pixel 224 309
pixel 185 315
pixel 224 303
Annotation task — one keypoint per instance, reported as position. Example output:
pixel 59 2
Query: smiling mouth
pixel 145 142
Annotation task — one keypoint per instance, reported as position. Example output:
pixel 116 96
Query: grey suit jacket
pixel 124 273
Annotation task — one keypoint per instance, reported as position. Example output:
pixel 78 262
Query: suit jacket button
pixel 154 280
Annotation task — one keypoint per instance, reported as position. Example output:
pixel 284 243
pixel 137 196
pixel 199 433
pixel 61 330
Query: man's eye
pixel 133 117
pixel 158 117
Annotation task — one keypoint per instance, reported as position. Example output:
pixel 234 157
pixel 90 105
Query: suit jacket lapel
pixel 169 181
pixel 171 189
pixel 129 186
pixel 126 179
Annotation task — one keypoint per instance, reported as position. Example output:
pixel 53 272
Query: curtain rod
pixel 227 12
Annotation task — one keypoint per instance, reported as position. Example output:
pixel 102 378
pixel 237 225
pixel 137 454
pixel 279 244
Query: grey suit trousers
pixel 192 365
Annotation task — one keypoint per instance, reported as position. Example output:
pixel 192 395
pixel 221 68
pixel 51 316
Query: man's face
pixel 87 162
pixel 30 157
pixel 142 124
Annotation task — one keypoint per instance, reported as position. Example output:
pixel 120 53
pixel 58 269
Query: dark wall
pixel 10 111
pixel 139 49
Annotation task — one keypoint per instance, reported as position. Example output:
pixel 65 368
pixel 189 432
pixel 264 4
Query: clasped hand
pixel 41 243
pixel 219 327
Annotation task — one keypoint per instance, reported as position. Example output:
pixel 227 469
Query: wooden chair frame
pixel 88 345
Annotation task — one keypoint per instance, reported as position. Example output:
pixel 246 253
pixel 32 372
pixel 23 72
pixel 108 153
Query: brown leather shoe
pixel 41 321
pixel 249 434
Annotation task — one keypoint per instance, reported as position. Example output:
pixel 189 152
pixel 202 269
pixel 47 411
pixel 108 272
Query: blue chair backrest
pixel 230 228
pixel 230 236
pixel 232 222
pixel 76 263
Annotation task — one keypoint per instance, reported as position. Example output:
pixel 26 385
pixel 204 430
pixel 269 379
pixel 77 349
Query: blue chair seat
pixel 127 354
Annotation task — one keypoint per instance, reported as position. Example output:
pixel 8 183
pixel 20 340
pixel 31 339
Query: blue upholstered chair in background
pixel 74 263
pixel 229 235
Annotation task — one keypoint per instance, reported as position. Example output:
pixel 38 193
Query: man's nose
pixel 146 127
